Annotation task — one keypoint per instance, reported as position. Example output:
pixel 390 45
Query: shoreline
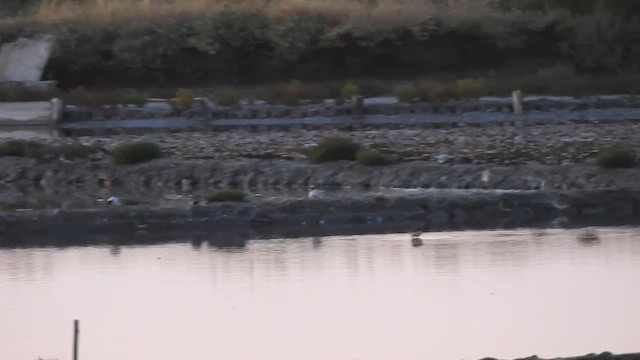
pixel 232 224
pixel 592 356
pixel 496 169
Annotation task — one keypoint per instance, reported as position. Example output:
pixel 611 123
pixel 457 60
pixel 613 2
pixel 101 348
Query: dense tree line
pixel 590 36
pixel 576 7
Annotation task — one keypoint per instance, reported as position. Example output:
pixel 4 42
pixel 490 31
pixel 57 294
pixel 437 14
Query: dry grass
pixel 363 12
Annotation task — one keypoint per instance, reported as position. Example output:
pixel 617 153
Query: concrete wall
pixel 25 59
pixel 29 113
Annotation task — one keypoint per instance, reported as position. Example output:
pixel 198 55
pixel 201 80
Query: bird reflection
pixel 416 241
pixel 230 241
pixel 538 233
pixel 197 241
pixel 115 250
pixel 317 242
pixel 588 237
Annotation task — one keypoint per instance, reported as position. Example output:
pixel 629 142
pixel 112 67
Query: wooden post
pixel 517 102
pixel 518 110
pixel 57 109
pixel 76 332
pixel 357 108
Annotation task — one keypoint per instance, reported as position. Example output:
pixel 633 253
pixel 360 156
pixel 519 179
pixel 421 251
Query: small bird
pixel 315 193
pixel 558 205
pixel 486 179
pixel 114 200
pixel 588 236
pixel 416 240
pixel 193 200
pixel 445 159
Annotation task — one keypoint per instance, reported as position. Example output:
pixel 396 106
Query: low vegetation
pixel 470 88
pixel 227 96
pixel 16 147
pixel 371 157
pixel 39 151
pixel 349 90
pixel 337 149
pixel 226 196
pixel 616 156
pixel 7 207
pixel 334 149
pixel 406 92
pixel 135 152
pixel 294 91
pixel 134 97
pixel 184 98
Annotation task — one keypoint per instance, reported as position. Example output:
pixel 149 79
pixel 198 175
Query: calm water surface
pixel 462 295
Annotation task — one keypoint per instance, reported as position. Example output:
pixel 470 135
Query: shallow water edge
pixel 231 224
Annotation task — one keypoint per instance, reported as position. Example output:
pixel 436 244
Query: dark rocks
pixel 602 356
pixel 150 181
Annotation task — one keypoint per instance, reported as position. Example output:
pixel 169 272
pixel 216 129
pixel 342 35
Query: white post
pixel 57 106
pixel 518 110
pixel 517 102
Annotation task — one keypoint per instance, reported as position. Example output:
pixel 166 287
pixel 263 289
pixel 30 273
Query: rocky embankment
pixel 545 162
pixel 147 183
pixel 552 144
pixel 601 356
pixel 552 157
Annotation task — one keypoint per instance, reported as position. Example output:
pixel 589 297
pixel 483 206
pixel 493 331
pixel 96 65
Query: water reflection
pixel 115 250
pixel 317 242
pixel 237 241
pixel 505 294
pixel 588 237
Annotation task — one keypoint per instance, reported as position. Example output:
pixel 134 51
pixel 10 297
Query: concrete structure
pixel 31 112
pixel 24 60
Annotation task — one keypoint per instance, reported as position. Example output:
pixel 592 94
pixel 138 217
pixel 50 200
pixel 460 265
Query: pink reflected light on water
pixel 464 295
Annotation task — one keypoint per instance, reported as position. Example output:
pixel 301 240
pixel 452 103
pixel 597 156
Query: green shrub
pixel 136 152
pixel 12 148
pixel 134 97
pixel 407 92
pixel 184 98
pixel 429 90
pixel 227 96
pixel 372 157
pixel 22 148
pixel 293 92
pixel 7 207
pixel 34 150
pixel 615 156
pixel 225 196
pixel 471 88
pixel 83 97
pixel 349 90
pixel 334 149
pixel 372 87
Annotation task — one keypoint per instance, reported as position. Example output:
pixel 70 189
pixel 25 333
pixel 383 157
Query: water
pixel 463 295
pixel 554 116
